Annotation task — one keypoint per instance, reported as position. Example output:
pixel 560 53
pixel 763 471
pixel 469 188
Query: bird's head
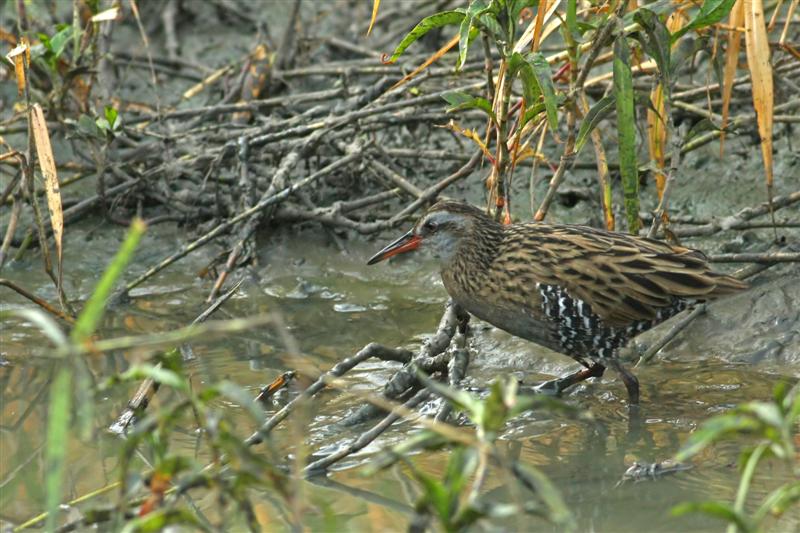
pixel 440 230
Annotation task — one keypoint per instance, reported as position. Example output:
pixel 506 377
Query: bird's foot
pixel 550 388
pixel 554 387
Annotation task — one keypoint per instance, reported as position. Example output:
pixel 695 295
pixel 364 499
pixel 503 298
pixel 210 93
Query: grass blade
pixel 657 137
pixel 425 25
pixel 93 311
pixel 596 114
pixel 58 421
pixel 731 60
pixel 541 69
pixel 757 44
pixel 602 165
pixel 710 13
pixel 44 151
pixel 626 130
pixel 376 4
pixel 715 509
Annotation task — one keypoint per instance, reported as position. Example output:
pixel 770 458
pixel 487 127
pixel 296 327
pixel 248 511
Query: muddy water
pixel 332 304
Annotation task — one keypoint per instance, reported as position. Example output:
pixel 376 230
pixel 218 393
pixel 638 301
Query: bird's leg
pixel 630 381
pixel 557 386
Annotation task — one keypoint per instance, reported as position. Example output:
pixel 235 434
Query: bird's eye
pixel 430 225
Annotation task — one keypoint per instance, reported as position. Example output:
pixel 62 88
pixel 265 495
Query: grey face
pixel 441 233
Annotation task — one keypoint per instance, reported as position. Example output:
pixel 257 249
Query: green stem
pixel 745 480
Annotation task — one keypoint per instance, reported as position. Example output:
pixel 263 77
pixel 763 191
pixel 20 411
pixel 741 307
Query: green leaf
pixel 156 373
pixel 715 509
pixel 60 40
pixel 656 41
pixel 711 12
pixel 572 18
pixel 93 311
pixel 494 413
pixel 528 402
pixel 531 113
pixel 779 501
pixel 111 115
pixel 767 413
pixel 462 464
pixel 461 400
pixel 241 396
pixel 534 72
pixel 423 440
pixel 701 126
pixel 713 430
pixel 459 101
pixel 626 130
pixel 519 65
pixel 686 49
pixel 467 30
pixel 58 423
pixel 558 510
pixel 489 23
pixel 445 18
pixel 45 40
pixel 162 518
pixel 599 111
pixel 88 126
pixel 541 69
pixel 434 493
pixel 84 396
pixel 791 404
pixel 44 322
pixel 515 7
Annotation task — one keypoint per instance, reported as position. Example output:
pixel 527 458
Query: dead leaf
pixel 736 20
pixel 758 53
pixel 47 164
pixel 375 5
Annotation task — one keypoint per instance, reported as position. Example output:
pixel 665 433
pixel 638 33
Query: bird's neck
pixel 472 258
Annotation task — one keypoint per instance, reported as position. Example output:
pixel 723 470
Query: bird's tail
pixel 724 284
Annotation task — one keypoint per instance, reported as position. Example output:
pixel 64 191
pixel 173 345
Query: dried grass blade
pixel 789 15
pixel 731 60
pixel 472 135
pixel 47 163
pixel 757 44
pixel 537 29
pixel 19 56
pixel 774 19
pixel 657 136
pixel 602 169
pixel 527 36
pixel 436 55
pixel 375 5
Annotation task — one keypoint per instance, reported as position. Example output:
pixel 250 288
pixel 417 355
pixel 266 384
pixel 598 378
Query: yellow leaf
pixel 19 57
pixel 657 136
pixel 473 135
pixel 537 30
pixel 436 55
pixel 757 45
pixel 375 5
pixel 528 35
pixel 105 16
pixel 789 19
pixel 736 20
pixel 47 163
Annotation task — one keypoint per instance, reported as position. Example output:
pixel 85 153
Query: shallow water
pixel 332 305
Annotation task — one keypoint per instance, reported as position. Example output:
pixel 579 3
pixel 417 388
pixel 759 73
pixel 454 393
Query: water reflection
pixel 332 306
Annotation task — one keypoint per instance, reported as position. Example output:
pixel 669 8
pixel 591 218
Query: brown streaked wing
pixel 623 278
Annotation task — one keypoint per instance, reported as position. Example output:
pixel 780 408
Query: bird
pixel 577 290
